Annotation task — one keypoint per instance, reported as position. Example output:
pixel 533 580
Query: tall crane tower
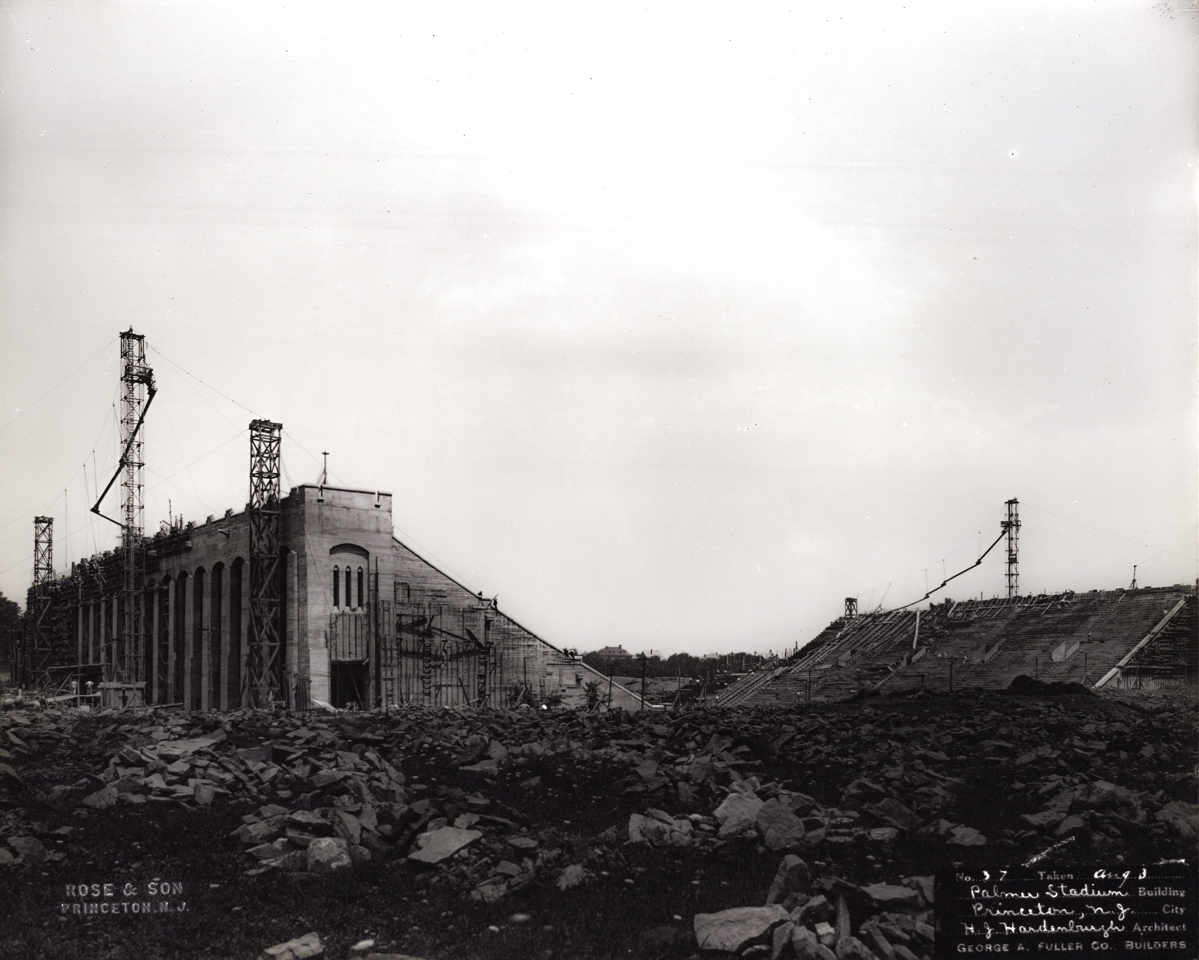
pixel 126 667
pixel 137 383
pixel 40 648
pixel 263 682
pixel 1011 527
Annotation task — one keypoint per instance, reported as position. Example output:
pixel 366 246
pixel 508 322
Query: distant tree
pixel 10 628
pixel 594 695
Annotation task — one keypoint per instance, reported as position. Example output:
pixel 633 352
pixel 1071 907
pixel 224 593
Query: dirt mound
pixel 1024 684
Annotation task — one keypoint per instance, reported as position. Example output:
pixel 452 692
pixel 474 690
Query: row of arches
pixel 195 626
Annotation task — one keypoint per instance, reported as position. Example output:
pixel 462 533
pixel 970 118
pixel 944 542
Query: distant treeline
pixel 676 665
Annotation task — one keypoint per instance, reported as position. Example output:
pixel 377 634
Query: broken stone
pixel 262 832
pixel 851 948
pixel 926 886
pixel 1182 816
pixel 300 948
pixel 442 843
pixel 102 798
pixel 780 828
pixel 891 811
pixel 733 930
pixel 817 909
pixel 171 750
pixel 349 827
pixel 9 777
pixel 841 923
pixel 877 940
pixel 825 933
pixel 966 837
pixel 890 896
pixel 30 849
pixel 1072 824
pixel 737 814
pixel 1043 818
pixel 490 890
pixel 658 833
pixel 328 854
pixel 571 876
pixel 807 947
pixel 309 820
pixel 781 939
pixel 792 876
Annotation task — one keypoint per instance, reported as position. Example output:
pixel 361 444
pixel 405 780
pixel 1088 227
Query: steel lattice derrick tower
pixel 136 379
pixel 41 647
pixel 262 685
pixel 1011 526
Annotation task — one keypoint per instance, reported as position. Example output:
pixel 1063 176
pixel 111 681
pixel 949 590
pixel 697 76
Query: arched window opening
pixel 360 587
pixel 336 587
pixel 349 586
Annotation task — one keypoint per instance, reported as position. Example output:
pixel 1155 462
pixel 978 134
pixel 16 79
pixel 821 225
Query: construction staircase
pixel 986 644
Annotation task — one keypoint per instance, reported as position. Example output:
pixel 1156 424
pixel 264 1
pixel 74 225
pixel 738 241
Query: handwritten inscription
pixel 1147 911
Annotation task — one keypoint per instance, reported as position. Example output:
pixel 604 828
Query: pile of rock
pixel 826 919
pixel 423 787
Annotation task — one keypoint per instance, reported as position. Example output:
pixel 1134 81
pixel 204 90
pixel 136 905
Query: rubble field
pixel 813 832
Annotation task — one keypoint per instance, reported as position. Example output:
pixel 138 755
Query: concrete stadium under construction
pixel 308 598
pixel 299 598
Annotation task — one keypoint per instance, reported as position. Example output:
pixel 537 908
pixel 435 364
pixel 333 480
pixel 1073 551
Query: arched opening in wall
pixel 162 637
pixel 215 635
pixel 236 638
pixel 148 636
pixel 343 590
pixel 179 641
pixel 116 655
pixel 195 663
pixel 286 559
pixel 93 632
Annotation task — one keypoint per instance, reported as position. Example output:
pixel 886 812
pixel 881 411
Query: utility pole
pixel 643 658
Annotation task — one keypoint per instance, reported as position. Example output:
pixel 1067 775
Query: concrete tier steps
pixel 985 644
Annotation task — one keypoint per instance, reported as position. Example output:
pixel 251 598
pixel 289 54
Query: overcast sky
pixel 671 327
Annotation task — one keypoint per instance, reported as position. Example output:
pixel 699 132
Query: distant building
pixel 613 653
